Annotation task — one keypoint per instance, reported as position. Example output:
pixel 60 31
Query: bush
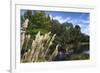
pixel 79 56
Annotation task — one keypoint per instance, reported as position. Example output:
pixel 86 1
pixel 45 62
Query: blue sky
pixel 76 18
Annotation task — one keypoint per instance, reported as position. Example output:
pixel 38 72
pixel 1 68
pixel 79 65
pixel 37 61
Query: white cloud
pixel 84 28
pixel 73 21
pixel 81 16
pixel 60 18
pixel 85 21
pixel 51 16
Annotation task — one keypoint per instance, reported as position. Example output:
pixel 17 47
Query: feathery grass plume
pixel 27 38
pixel 47 35
pixel 39 49
pixel 54 53
pixel 23 32
pixel 25 24
pixel 22 39
pixel 50 43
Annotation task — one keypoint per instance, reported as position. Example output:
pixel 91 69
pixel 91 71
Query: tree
pixel 38 21
pixel 68 25
pixel 28 14
pixel 41 19
pixel 63 32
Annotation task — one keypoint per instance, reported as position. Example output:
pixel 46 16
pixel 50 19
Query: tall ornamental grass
pixel 40 47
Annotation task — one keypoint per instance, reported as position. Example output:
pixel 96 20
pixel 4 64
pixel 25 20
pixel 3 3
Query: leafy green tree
pixel 63 32
pixel 28 15
pixel 38 21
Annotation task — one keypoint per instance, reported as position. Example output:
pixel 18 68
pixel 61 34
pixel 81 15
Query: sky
pixel 76 18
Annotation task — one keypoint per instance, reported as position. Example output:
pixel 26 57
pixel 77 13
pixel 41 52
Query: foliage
pixel 68 36
pixel 37 20
pixel 79 57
